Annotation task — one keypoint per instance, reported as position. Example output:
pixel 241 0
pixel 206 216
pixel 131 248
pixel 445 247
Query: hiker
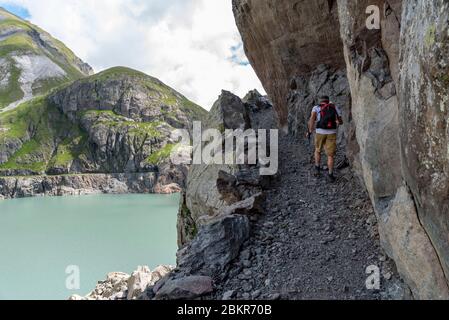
pixel 326 117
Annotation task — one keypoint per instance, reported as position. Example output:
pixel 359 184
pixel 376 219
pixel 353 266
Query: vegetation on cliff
pixel 98 132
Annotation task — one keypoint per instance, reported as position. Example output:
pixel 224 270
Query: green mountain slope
pixel 119 120
pixel 32 62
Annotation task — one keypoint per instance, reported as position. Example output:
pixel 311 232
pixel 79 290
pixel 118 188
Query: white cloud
pixel 191 45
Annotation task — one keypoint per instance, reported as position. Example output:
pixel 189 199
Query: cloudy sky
pixel 191 45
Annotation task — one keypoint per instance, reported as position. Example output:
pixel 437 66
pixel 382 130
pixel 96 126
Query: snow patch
pixel 5 74
pixel 34 68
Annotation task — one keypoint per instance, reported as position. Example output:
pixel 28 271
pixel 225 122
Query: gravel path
pixel 314 242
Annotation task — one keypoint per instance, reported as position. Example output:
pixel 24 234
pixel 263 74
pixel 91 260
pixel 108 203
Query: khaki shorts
pixel 328 142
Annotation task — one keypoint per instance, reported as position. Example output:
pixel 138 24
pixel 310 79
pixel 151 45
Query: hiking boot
pixel 331 178
pixel 317 172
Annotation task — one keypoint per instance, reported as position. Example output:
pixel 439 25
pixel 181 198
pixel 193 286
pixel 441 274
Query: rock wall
pixel 396 105
pixel 279 39
pixel 424 103
pixel 305 91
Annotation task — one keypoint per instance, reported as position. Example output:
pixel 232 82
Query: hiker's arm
pixel 339 117
pixel 312 122
pixel 340 121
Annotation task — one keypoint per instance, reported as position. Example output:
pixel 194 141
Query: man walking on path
pixel 326 118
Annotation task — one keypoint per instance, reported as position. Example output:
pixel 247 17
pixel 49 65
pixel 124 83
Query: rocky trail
pixel 315 240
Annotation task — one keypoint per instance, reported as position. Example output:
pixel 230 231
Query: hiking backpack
pixel 328 117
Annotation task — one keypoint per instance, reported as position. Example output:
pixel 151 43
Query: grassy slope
pixel 42 129
pixel 22 42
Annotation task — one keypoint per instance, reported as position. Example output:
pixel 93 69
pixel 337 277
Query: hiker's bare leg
pixel 317 158
pixel 330 163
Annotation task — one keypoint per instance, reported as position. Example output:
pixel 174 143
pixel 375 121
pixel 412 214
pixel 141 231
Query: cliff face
pixel 285 39
pixel 424 103
pixel 394 92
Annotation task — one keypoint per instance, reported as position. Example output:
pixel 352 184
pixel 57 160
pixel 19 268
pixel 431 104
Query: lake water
pixel 41 237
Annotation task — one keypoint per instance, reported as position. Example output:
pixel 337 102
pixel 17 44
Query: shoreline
pixel 84 184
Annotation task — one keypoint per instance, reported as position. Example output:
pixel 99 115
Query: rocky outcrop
pixel 210 189
pixel 130 94
pixel 396 133
pixel 122 286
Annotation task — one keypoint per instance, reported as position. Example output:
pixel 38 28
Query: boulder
pixel 215 246
pixel 249 206
pixel 185 288
pixel 143 278
pixel 228 112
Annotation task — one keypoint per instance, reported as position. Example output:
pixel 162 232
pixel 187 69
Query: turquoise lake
pixel 41 237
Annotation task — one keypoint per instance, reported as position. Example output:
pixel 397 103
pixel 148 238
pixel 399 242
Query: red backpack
pixel 328 117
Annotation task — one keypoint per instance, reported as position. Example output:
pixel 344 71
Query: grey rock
pixel 246 296
pixel 185 288
pixel 216 245
pixel 228 295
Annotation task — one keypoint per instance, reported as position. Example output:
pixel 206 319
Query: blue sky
pixel 16 9
pixel 192 45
